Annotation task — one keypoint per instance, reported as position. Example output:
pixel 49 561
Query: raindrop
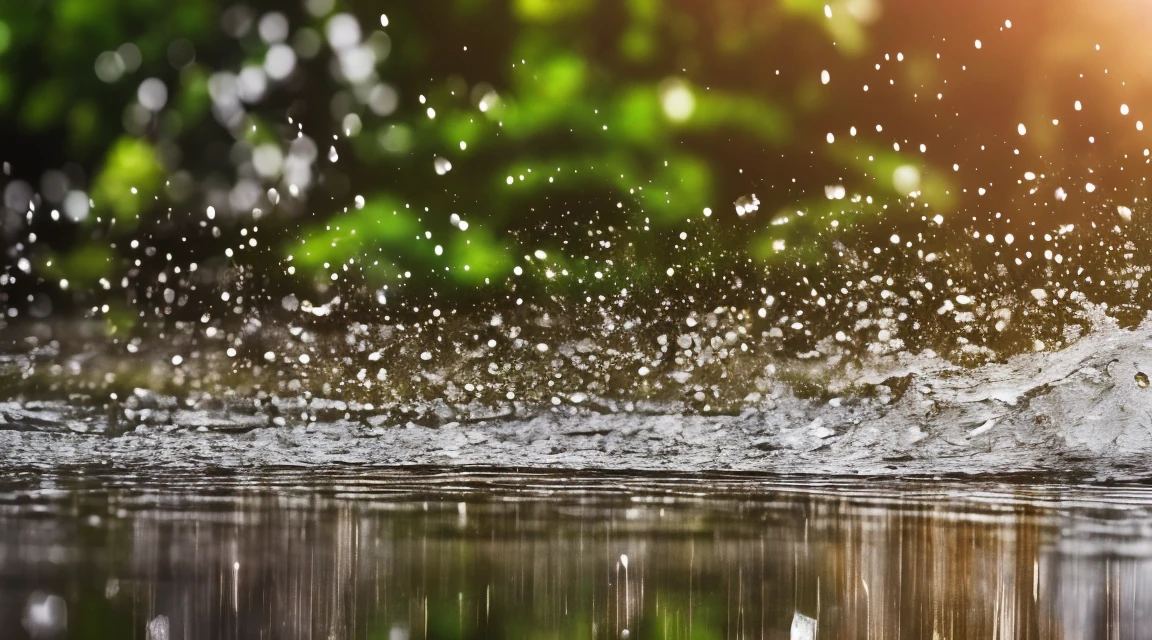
pixel 45 615
pixel 267 160
pixel 251 84
pixel 747 205
pixel 677 100
pixel 352 125
pixel 906 179
pixel 1142 380
pixel 76 206
pixel 152 94
pixel 442 165
pixel 383 100
pixel 109 66
pixel 273 27
pixel 158 628
pixel 319 8
pixel 280 61
pixel 343 31
pixel 357 63
pixel 130 54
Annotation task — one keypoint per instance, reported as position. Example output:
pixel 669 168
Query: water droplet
pixel 1142 380
pixel 677 100
pixel 747 205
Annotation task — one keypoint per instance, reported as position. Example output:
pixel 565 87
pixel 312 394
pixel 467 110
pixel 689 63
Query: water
pixel 359 219
pixel 870 241
pixel 341 553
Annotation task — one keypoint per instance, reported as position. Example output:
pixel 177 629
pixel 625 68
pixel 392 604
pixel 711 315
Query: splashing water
pixel 316 270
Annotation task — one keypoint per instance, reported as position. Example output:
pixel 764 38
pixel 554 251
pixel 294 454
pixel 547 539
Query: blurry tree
pixel 380 142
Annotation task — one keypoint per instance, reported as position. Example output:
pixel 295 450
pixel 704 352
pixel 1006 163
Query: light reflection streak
pixel 383 554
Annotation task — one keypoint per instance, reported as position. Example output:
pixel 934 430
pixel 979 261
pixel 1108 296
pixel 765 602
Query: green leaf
pixel 476 254
pixel 383 231
pixel 131 163
pixel 547 11
pixel 5 37
pixel 82 266
pixel 44 104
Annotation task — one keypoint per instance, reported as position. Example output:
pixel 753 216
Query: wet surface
pixel 340 553
pixel 1079 410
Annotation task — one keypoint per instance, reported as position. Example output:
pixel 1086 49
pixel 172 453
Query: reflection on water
pixel 389 554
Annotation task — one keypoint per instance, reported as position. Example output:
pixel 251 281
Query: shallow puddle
pixel 492 554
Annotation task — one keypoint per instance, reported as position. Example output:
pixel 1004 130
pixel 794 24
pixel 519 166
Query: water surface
pixel 342 553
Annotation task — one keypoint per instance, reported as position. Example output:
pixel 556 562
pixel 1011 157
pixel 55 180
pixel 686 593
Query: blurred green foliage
pixel 554 115
pixel 130 178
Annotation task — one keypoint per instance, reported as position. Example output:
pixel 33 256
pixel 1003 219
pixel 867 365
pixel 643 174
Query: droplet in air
pixel 442 165
pixel 1021 129
pixel 45 615
pixel 825 77
pixel 906 179
pixel 747 205
pixel 677 100
pixel 152 94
